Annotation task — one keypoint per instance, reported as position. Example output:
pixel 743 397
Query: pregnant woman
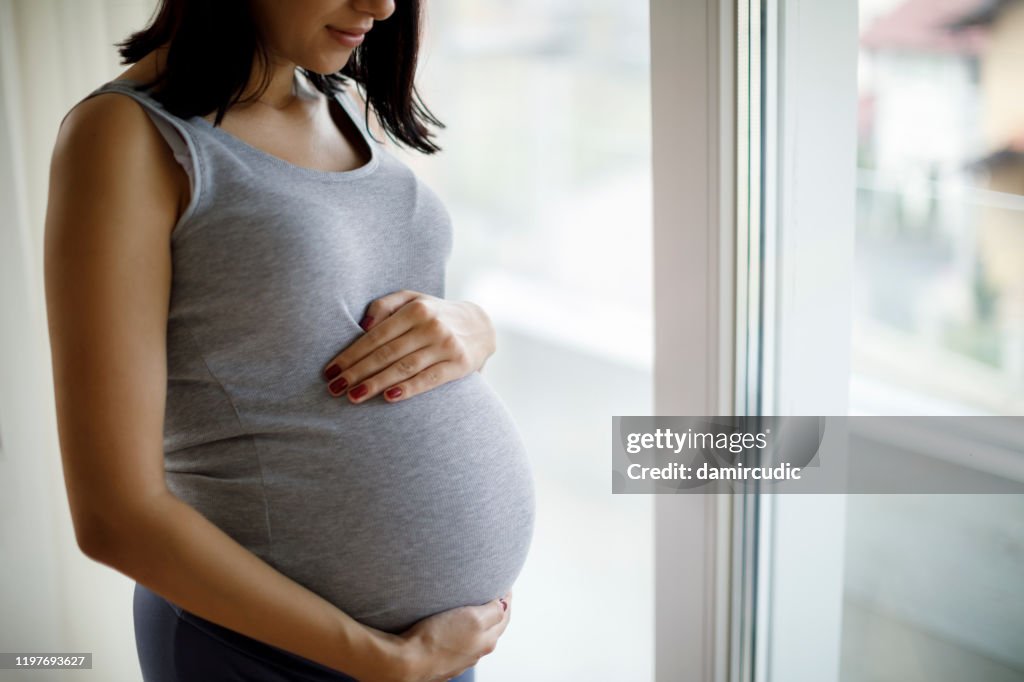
pixel 270 417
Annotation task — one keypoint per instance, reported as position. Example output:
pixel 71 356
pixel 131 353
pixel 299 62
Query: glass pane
pixel 939 298
pixel 932 583
pixel 546 172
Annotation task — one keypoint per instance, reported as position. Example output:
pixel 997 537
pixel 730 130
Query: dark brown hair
pixel 213 45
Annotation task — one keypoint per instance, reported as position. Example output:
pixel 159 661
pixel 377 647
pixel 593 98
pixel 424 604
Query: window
pixel 898 141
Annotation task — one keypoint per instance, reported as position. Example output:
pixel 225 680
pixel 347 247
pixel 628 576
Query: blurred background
pixel 546 172
pixel 940 287
pixel 933 582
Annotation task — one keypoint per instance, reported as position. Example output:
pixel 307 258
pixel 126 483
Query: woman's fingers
pixel 396 380
pixel 489 616
pixel 394 352
pixel 493 616
pixel 363 348
pixel 505 602
pixel 495 613
pixel 414 349
pixel 426 379
pixel 499 622
pixel 385 306
pixel 388 367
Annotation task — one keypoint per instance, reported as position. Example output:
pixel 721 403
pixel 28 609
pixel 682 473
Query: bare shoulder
pixel 109 119
pixel 109 142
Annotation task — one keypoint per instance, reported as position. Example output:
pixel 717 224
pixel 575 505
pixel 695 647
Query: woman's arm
pixel 115 193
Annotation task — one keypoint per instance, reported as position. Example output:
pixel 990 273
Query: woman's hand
pixel 413 342
pixel 447 644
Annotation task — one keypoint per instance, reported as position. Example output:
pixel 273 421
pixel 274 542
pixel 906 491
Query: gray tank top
pixel 392 512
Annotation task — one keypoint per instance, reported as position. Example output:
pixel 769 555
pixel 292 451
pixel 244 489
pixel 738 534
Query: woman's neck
pixel 281 92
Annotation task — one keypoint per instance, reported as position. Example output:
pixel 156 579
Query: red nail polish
pixel 332 372
pixel 366 322
pixel 339 385
pixel 359 391
pixel 393 392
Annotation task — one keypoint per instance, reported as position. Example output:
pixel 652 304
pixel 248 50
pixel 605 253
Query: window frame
pixel 693 123
pixel 810 167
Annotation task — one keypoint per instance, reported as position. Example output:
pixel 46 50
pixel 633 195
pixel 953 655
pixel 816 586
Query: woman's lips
pixel 347 38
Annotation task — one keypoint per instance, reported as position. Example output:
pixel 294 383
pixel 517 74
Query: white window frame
pixel 692 102
pixel 811 118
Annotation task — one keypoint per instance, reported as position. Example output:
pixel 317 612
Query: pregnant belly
pixel 394 512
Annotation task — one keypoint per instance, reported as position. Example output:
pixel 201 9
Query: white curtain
pixel 52 598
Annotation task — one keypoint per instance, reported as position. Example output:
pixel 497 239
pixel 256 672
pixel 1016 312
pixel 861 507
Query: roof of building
pixel 982 15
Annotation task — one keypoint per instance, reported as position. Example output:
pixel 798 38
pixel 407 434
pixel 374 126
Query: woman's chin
pixel 331 61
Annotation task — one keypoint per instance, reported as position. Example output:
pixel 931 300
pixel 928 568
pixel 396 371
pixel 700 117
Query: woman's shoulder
pixel 110 114
pixel 115 118
pixel 113 135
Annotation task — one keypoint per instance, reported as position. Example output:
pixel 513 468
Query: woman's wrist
pixel 488 337
pixel 373 654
